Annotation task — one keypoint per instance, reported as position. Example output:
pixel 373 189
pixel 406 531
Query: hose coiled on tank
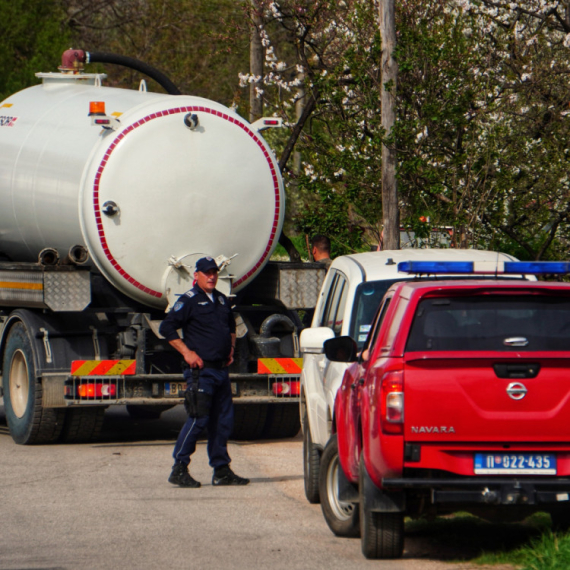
pixel 73 60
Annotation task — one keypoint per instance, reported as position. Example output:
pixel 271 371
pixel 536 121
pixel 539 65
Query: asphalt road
pixel 108 505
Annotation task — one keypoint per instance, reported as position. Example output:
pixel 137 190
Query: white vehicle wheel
pixel 341 516
pixel 311 465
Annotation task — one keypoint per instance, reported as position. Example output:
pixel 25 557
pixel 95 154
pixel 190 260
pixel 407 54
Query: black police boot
pixel 225 476
pixel 181 477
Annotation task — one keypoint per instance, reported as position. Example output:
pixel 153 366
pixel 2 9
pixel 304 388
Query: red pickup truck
pixel 459 401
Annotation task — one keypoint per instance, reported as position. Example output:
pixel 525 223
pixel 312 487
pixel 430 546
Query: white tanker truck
pixel 107 199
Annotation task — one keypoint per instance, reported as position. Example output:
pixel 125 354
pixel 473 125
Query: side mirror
pixel 341 349
pixel 312 339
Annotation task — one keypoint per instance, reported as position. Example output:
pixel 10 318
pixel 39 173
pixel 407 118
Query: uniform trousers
pixel 219 422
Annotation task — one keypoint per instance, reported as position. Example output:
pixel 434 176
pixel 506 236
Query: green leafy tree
pixel 33 36
pixel 482 131
pixel 199 44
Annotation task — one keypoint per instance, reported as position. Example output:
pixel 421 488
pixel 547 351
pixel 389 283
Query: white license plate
pixel 515 464
pixel 171 389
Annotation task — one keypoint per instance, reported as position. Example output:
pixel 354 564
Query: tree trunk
pixel 390 212
pixel 256 57
pixel 309 107
pixel 289 247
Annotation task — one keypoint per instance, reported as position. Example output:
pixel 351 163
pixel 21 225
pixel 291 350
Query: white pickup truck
pixel 349 297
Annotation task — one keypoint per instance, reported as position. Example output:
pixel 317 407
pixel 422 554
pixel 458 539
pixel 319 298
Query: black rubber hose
pixel 266 328
pixel 152 72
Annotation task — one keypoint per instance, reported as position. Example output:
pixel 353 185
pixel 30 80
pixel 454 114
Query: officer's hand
pixel 231 356
pixel 193 360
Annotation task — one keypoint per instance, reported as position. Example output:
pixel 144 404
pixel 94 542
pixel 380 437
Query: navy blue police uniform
pixel 207 327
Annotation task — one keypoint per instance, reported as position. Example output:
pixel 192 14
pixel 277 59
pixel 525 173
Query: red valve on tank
pixel 72 61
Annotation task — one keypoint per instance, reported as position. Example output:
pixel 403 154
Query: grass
pixel 530 545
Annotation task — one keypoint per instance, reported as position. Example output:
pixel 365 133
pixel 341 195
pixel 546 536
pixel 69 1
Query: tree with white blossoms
pixel 340 80
pixel 482 132
pixel 509 187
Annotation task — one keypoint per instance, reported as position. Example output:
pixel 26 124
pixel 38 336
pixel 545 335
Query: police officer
pixel 206 319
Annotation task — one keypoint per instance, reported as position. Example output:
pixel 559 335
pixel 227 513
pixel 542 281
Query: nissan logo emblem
pixel 516 390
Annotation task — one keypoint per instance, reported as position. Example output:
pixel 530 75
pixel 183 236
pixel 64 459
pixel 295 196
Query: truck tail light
pixel 289 388
pixel 392 402
pixel 96 390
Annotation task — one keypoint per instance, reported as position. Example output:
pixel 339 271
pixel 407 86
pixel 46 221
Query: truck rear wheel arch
pixel 65 340
pixel 26 319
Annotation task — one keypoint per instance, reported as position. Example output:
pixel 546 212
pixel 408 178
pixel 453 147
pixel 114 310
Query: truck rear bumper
pixel 499 491
pixel 60 390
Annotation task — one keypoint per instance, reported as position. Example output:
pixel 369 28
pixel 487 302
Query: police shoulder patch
pixel 178 305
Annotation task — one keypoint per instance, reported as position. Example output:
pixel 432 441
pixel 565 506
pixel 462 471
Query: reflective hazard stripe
pixel 21 285
pixel 102 367
pixel 279 365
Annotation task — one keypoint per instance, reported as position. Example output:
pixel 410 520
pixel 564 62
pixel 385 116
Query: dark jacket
pixel 206 325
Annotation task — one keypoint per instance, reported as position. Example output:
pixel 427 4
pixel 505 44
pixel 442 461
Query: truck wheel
pixel 311 465
pixel 342 517
pixel 146 412
pixel 249 421
pixel 283 421
pixel 28 421
pixel 382 534
pixel 82 424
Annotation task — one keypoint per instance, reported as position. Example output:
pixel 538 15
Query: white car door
pixel 322 378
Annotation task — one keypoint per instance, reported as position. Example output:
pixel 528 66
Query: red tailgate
pixel 462 398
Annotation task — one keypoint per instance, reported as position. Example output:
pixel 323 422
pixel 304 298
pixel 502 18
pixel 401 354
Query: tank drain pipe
pixel 48 256
pixel 77 255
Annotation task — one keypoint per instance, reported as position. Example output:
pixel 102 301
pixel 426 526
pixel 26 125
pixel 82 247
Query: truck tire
pixel 311 465
pixel 249 421
pixel 342 517
pixel 82 425
pixel 382 534
pixel 282 421
pixel 28 421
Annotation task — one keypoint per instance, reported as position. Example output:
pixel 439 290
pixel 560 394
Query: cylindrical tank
pixel 176 178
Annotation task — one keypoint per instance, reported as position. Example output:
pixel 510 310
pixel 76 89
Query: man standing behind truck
pixel 321 250
pixel 209 329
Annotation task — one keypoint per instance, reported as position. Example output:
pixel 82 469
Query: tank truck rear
pixel 107 199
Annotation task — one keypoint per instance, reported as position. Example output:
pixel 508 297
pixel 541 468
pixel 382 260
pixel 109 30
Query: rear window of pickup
pixel 491 323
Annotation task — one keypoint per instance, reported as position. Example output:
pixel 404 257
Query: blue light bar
pixel 537 267
pixel 433 267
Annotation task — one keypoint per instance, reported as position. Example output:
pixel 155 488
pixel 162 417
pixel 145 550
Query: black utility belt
pixel 217 364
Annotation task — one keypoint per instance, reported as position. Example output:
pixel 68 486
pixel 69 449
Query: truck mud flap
pixel 347 491
pixel 380 501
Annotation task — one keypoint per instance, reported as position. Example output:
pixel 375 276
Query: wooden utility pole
pixel 256 57
pixel 389 71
